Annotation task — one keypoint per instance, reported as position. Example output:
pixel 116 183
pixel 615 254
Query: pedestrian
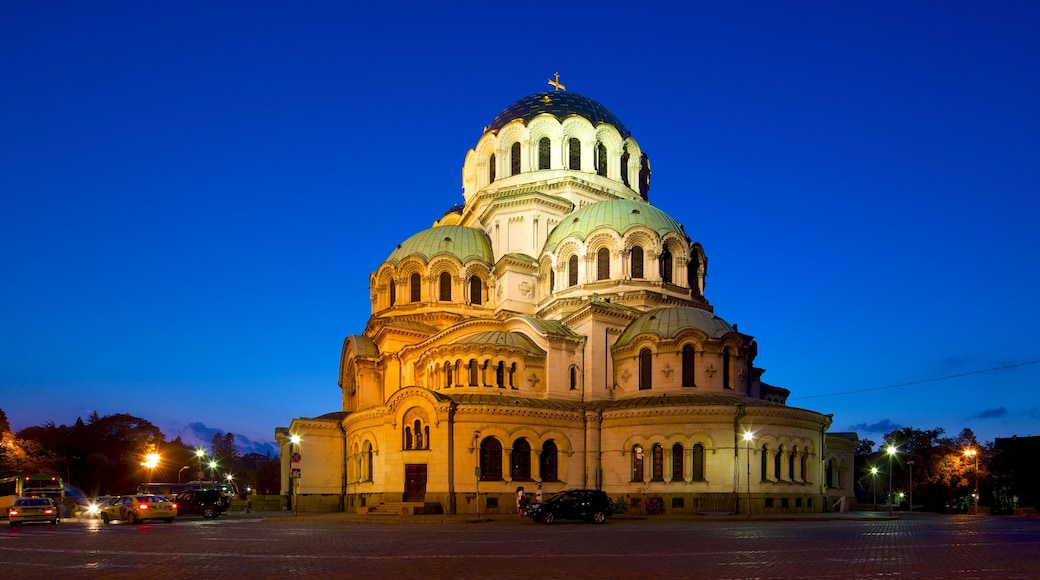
pixel 538 493
pixel 520 501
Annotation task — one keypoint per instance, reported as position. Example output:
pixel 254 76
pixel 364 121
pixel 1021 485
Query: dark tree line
pixel 106 455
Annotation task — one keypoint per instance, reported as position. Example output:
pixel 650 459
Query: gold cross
pixel 556 83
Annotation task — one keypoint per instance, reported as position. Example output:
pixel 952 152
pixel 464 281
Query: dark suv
pixel 208 502
pixel 591 505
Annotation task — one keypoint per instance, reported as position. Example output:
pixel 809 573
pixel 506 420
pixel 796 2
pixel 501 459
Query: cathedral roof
pixel 669 322
pixel 503 339
pixel 560 104
pixel 462 242
pixel 619 215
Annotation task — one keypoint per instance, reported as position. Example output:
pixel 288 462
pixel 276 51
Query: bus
pixel 39 485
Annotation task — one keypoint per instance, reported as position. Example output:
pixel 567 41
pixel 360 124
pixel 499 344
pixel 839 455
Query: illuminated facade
pixel 554 328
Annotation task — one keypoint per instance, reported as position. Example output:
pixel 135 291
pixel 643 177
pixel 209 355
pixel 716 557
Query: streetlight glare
pixel 873 471
pixel 151 460
pixel 295 439
pixel 748 435
pixel 200 453
pixel 891 450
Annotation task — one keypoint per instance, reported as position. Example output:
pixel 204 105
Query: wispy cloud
pixel 883 426
pixel 990 413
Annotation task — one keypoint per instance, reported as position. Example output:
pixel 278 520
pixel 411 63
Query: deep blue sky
pixel 194 193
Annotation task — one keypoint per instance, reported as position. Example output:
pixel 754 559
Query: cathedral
pixel 554 330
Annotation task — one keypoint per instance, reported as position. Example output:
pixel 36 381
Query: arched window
pixel 637 262
pixel 698 462
pixel 414 286
pixel 473 372
pixel 790 464
pixel 574 378
pixel 677 462
pixel 658 469
pixel 805 467
pixel 367 467
pixel 645 369
pixel 830 473
pixel 490 460
pixel 624 168
pixel 601 159
pixel 500 375
pixel 512 373
pixel 393 293
pixel 514 159
pixel 408 437
pixel 445 280
pixel 544 150
pixel 764 462
pixel 572 271
pixel 777 462
pixel 476 290
pixel 552 280
pixel 447 374
pixel 726 378
pixel 637 463
pixel 688 374
pixel 666 266
pixel 547 462
pixel 574 150
pixel 520 460
pixel 491 168
pixel 603 264
pixel 644 176
pixel 691 275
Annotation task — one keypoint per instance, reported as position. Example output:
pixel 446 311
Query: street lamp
pixel 974 453
pixel 212 468
pixel 180 471
pixel 476 469
pixel 747 438
pixel 911 464
pixel 873 483
pixel 891 453
pixel 151 461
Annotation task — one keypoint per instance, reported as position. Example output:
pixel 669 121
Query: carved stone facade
pixel 554 330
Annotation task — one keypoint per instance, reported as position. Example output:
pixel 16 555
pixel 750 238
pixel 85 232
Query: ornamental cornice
pixel 484 410
pixel 316 424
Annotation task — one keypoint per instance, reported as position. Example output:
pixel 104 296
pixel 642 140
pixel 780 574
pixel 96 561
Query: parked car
pixel 591 505
pixel 32 509
pixel 208 502
pixel 139 508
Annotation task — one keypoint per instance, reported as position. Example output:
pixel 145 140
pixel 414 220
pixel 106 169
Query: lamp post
pixel 151 461
pixel 294 474
pixel 910 462
pixel 747 438
pixel 200 454
pixel 891 453
pixel 974 453
pixel 476 469
pixel 180 471
pixel 873 483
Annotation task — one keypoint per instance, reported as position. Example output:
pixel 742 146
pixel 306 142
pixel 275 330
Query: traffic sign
pixel 295 457
pixel 294 473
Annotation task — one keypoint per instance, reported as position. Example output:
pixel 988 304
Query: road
pixel 908 547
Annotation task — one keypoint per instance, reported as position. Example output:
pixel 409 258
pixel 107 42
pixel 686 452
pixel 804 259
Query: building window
pixel 414 286
pixel 692 272
pixel 637 262
pixel 790 464
pixel 574 149
pixel 698 462
pixel 666 266
pixel 514 159
pixel 500 375
pixel 677 462
pixel 688 374
pixel 601 159
pixel 777 461
pixel 447 374
pixel 367 467
pixel 805 467
pixel 473 372
pixel 416 436
pixel 574 378
pixel 603 264
pixel 520 460
pixel 644 176
pixel 445 280
pixel 544 149
pixel 490 460
pixel 476 290
pixel 726 375
pixel 624 168
pixel 547 462
pixel 637 463
pixel 657 473
pixel 764 463
pixel 393 292
pixel 512 373
pixel 830 473
pixel 572 271
pixel 645 369
pixel 491 168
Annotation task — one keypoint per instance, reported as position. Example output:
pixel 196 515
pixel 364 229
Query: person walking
pixel 538 493
pixel 520 501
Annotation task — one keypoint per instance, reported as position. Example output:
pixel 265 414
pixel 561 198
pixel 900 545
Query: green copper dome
pixel 670 322
pixel 619 215
pixel 465 244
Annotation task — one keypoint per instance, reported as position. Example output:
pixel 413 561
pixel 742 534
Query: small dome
pixel 670 322
pixel 619 215
pixel 462 242
pixel 560 104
